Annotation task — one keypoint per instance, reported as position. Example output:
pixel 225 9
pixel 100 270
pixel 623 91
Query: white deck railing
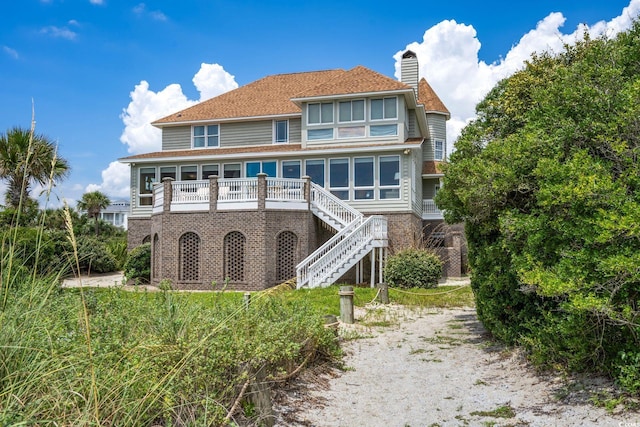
pixel 285 189
pixel 190 192
pixel 345 252
pixel 333 206
pixel 238 190
pixel 429 207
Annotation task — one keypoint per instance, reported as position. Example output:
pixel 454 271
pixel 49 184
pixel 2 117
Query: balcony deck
pixel 430 210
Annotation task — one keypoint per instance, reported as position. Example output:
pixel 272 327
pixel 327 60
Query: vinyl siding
pixel 437 131
pixel 295 131
pixel 242 134
pixel 429 188
pixel 176 138
pixel 413 125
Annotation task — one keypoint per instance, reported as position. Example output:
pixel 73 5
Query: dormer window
pixel 384 108
pixel 206 136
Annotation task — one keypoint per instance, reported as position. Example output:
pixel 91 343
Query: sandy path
pixel 438 368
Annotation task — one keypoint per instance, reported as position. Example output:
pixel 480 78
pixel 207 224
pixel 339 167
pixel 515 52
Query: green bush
pixel 138 264
pixel 413 268
pixel 94 256
pixel 118 248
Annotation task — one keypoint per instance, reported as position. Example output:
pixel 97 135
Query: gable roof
pixel 428 97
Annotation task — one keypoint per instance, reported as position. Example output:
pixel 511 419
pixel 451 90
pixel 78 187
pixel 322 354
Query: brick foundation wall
pixel 138 229
pixel 404 231
pixel 260 230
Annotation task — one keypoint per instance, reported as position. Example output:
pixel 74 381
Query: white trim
pixel 252 155
pixel 227 120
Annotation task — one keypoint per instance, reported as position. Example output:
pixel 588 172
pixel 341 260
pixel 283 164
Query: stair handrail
pixel 333 206
pixel 372 228
pixel 303 267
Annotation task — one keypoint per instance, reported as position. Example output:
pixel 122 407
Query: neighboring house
pixel 313 175
pixel 116 213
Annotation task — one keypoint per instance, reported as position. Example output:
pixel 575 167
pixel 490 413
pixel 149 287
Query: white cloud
pixel 59 32
pixel 448 56
pixel 141 10
pixel 147 106
pixel 115 181
pixel 11 52
pixel 212 80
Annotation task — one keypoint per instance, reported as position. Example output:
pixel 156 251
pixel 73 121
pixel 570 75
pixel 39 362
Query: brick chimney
pixel 409 70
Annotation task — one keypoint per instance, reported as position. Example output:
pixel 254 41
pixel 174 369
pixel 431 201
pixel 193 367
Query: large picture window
pixel 252 169
pixel 384 108
pixel 206 136
pixel 339 178
pixel 363 177
pixel 232 170
pixel 291 169
pixel 208 170
pixel 167 172
pixel 188 173
pixel 389 172
pixel 314 169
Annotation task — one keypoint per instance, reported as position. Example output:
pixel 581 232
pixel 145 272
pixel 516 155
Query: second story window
pixel 351 111
pixel 206 136
pixel 438 150
pixel 384 108
pixel 320 113
pixel 281 131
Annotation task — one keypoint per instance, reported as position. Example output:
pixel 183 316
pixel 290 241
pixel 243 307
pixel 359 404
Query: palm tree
pixel 26 157
pixel 93 202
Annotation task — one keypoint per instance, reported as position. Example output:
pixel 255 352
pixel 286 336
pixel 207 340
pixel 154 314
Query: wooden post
pixel 260 396
pixel 384 292
pixel 346 304
pixel 373 266
pixel 246 300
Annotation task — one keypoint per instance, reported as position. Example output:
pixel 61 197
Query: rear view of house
pixel 314 175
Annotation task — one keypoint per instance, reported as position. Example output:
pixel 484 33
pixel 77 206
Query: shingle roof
pixel 428 98
pixel 268 96
pixel 357 80
pixel 431 167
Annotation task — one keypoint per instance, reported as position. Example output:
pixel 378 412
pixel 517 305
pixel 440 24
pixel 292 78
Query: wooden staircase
pixel 356 237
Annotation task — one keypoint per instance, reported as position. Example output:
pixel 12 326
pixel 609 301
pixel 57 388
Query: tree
pixel 93 202
pixel 26 157
pixel 547 182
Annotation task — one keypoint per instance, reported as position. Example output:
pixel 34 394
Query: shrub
pixel 94 256
pixel 138 264
pixel 413 268
pixel 118 248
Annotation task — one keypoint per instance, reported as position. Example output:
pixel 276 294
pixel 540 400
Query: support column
pixel 373 266
pixel 307 190
pixel 262 191
pixel 168 193
pixel 213 193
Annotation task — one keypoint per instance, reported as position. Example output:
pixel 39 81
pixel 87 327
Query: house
pixel 116 213
pixel 313 175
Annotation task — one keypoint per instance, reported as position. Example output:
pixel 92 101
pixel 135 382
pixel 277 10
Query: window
pixel 167 172
pixel 315 170
pixel 384 108
pixel 254 168
pixel 206 136
pixel 383 130
pixel 320 113
pixel 351 111
pixel 351 132
pixel 363 177
pixel 389 173
pixel 313 134
pixel 439 150
pixel 188 173
pixel 232 170
pixel 281 131
pixel 291 169
pixel 208 170
pixel 145 192
pixel 339 178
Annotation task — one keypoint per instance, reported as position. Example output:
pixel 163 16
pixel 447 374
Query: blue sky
pixel 98 71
